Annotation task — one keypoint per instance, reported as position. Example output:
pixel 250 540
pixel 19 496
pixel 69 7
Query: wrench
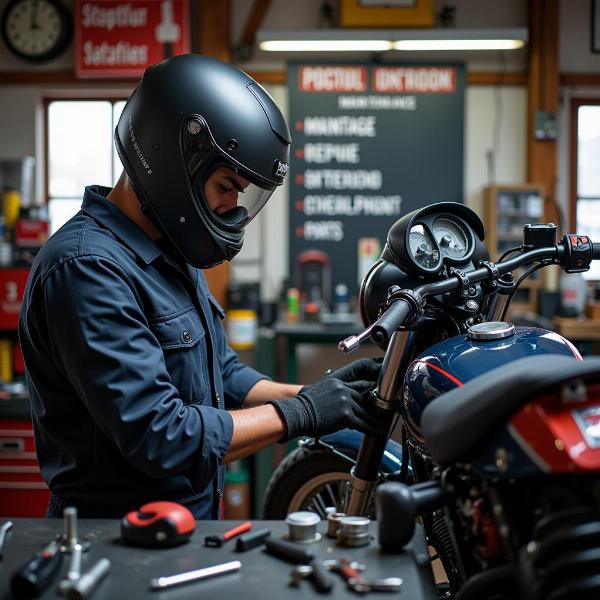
pixel 357 583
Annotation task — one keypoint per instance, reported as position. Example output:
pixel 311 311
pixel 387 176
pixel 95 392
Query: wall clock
pixel 36 30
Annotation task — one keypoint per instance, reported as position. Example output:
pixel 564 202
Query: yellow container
pixel 6 367
pixel 242 328
pixel 11 206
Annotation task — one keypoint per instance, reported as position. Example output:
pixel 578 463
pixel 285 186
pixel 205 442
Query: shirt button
pixel 186 336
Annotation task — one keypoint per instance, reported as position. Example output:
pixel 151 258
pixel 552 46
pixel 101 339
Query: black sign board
pixel 370 142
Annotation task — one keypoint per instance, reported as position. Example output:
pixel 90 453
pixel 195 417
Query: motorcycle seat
pixel 456 423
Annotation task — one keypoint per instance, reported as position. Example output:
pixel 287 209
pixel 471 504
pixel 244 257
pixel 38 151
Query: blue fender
pixel 346 442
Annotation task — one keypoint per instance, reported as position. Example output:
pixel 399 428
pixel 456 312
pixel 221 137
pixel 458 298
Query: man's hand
pixel 366 369
pixel 325 407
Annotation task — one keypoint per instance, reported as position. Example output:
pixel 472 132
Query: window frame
pixel 113 98
pixel 576 103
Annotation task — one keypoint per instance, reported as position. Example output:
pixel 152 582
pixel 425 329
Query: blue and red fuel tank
pixel 459 359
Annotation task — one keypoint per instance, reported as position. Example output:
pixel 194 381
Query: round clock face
pixel 36 30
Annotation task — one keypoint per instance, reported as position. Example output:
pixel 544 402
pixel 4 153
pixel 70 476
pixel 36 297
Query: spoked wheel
pixel 328 489
pixel 307 480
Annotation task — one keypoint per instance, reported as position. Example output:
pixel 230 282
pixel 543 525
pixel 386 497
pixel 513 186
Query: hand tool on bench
pixel 31 579
pixel 6 527
pixel 161 583
pixel 218 540
pixel 301 556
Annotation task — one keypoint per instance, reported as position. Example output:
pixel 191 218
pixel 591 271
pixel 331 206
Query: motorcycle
pixel 500 449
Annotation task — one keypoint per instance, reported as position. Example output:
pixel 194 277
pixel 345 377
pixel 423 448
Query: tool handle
pixel 348 572
pixel 84 587
pixel 321 579
pixel 247 526
pixel 288 551
pixel 247 541
pixel 35 576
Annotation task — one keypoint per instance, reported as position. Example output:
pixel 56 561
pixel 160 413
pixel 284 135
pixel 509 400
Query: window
pixel 80 152
pixel 585 172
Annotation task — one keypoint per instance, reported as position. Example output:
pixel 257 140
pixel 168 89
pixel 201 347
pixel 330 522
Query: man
pixel 133 387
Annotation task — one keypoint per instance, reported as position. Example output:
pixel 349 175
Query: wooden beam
pixel 58 77
pixel 215 29
pixel 579 79
pixel 543 95
pixel 255 19
pixel 493 78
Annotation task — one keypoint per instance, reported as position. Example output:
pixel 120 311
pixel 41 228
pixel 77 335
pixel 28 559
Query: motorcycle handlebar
pixel 393 317
pixel 402 310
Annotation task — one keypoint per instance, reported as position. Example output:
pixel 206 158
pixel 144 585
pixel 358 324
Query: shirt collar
pixel 105 212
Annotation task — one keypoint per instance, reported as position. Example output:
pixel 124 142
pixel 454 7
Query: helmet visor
pixel 232 199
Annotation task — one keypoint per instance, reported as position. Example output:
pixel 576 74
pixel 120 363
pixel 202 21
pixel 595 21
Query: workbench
pixel 261 577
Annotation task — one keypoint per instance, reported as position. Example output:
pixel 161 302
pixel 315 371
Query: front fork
pixel 365 474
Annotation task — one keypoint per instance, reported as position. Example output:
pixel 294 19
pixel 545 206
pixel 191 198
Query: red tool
pixel 219 540
pixel 158 525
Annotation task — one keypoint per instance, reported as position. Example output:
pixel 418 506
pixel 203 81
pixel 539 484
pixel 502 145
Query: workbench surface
pixel 262 576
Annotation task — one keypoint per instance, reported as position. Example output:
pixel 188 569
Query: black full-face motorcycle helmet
pixel 189 117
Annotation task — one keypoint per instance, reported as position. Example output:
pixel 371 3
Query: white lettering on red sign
pixel 333 79
pixel 118 16
pixel 415 80
pixel 114 55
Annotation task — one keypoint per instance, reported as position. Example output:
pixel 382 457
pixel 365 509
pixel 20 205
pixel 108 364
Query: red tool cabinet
pixel 23 492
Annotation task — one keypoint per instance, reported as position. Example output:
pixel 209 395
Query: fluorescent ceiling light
pixel 458 44
pixel 326 45
pixel 381 40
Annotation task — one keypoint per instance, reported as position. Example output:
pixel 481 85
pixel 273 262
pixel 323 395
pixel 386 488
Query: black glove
pixel 325 407
pixel 366 369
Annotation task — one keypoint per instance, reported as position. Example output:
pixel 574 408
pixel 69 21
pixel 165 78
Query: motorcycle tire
pixel 307 480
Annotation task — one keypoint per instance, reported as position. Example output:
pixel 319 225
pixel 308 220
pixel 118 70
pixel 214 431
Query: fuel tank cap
pixel 494 330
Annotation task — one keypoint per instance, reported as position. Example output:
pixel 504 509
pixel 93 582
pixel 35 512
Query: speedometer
pixel 452 239
pixel 422 248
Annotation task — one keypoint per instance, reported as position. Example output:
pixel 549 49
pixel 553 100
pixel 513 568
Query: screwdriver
pixel 36 575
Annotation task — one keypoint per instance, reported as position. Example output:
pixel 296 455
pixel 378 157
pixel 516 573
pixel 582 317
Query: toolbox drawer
pixel 23 492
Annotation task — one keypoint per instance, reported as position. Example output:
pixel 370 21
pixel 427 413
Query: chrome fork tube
pixel 365 474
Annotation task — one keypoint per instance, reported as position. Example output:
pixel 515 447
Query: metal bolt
pixel 472 305
pixel 194 126
pixel 501 459
pixel 70 537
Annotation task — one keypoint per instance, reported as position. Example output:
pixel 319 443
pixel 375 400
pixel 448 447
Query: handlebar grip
pixel 392 319
pixel 596 251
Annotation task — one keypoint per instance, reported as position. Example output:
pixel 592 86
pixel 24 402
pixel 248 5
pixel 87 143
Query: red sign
pixel 323 78
pixel 115 38
pixel 414 80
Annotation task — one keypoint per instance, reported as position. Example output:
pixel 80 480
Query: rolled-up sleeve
pixel 102 341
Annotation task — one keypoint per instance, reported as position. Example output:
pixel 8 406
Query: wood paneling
pixel 543 87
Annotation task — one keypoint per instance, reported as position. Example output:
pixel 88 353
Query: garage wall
pixel 489 157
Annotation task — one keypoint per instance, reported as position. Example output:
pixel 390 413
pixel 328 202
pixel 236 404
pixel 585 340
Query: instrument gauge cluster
pixel 451 237
pixel 423 248
pixel 439 239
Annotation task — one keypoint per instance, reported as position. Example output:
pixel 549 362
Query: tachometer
pixel 422 248
pixel 451 238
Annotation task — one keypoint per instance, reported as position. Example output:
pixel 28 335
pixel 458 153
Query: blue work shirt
pixel 128 369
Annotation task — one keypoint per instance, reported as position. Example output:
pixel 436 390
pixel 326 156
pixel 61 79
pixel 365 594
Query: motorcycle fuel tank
pixel 453 362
